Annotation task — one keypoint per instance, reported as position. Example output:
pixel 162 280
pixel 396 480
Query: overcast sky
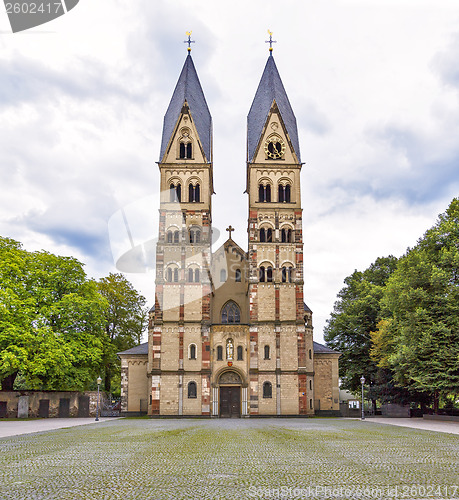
pixel 373 83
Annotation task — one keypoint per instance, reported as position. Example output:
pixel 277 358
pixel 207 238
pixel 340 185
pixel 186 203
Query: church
pixel 230 334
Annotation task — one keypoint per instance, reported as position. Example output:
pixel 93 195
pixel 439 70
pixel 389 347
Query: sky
pixel 374 85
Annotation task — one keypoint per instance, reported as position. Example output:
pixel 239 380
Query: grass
pixel 228 459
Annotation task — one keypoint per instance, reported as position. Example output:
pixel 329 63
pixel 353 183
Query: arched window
pixel 175 192
pixel 266 352
pixel 267 390
pixel 222 275
pixel 310 354
pixel 269 274
pixel 269 235
pixel 169 236
pixel 239 353
pixel 280 196
pixel 238 275
pixel 196 276
pixel 262 235
pixel 286 235
pixel 192 390
pixel 192 351
pixel 284 193
pixel 185 151
pixel 264 193
pixel 262 276
pixel 231 313
pixel 176 236
pixel 219 353
pixel 310 385
pixel 195 235
pixel 190 275
pixel 169 275
pixel 287 274
pixel 261 193
pixel 176 275
pixel 194 193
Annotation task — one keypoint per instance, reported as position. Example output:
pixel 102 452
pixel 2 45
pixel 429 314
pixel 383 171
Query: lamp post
pixel 362 381
pixel 99 381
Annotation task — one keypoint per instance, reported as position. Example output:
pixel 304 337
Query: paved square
pixel 230 459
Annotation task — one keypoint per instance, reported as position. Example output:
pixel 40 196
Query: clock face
pixel 274 147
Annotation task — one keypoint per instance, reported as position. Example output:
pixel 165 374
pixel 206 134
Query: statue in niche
pixel 229 349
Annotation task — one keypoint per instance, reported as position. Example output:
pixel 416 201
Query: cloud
pixel 446 63
pixel 312 119
pixel 27 80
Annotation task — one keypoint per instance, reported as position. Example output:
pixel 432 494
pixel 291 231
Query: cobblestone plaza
pixel 230 459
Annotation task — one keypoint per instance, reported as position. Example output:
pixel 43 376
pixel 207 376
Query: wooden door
pixel 230 401
pixel 83 406
pixel 43 408
pixel 64 408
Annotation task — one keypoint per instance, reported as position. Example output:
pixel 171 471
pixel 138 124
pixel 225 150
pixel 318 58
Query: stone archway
pixel 230 384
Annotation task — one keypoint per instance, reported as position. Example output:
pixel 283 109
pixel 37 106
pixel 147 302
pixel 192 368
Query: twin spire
pixel 188 96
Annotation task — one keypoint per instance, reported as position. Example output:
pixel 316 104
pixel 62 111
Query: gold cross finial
pixel 189 41
pixel 270 41
pixel 230 229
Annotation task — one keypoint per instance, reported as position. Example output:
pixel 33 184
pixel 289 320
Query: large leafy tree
pixel 421 333
pixel 126 319
pixel 51 320
pixel 355 315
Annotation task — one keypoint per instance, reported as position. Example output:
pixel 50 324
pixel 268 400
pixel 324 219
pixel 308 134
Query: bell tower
pixel 179 340
pixel 275 250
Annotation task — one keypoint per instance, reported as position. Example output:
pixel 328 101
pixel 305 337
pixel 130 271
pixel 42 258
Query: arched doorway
pixel 230 394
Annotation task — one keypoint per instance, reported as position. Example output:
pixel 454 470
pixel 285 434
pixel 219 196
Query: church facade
pixel 230 334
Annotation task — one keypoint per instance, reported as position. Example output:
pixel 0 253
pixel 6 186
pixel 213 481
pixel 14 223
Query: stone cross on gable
pixel 230 229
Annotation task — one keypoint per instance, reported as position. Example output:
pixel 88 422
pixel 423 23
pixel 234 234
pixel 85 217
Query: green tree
pixel 51 320
pixel 126 319
pixel 422 302
pixel 355 315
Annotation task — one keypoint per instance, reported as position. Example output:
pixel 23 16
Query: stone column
pixel 245 412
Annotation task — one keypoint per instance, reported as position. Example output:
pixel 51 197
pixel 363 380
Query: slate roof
pixel 138 349
pixel 188 89
pixel 320 348
pixel 269 89
pixel 306 308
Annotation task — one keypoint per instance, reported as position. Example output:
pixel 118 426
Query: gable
pixel 189 90
pixel 274 128
pixel 270 90
pixel 185 132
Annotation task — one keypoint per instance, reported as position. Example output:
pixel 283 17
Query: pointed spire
pixel 188 89
pixel 270 89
